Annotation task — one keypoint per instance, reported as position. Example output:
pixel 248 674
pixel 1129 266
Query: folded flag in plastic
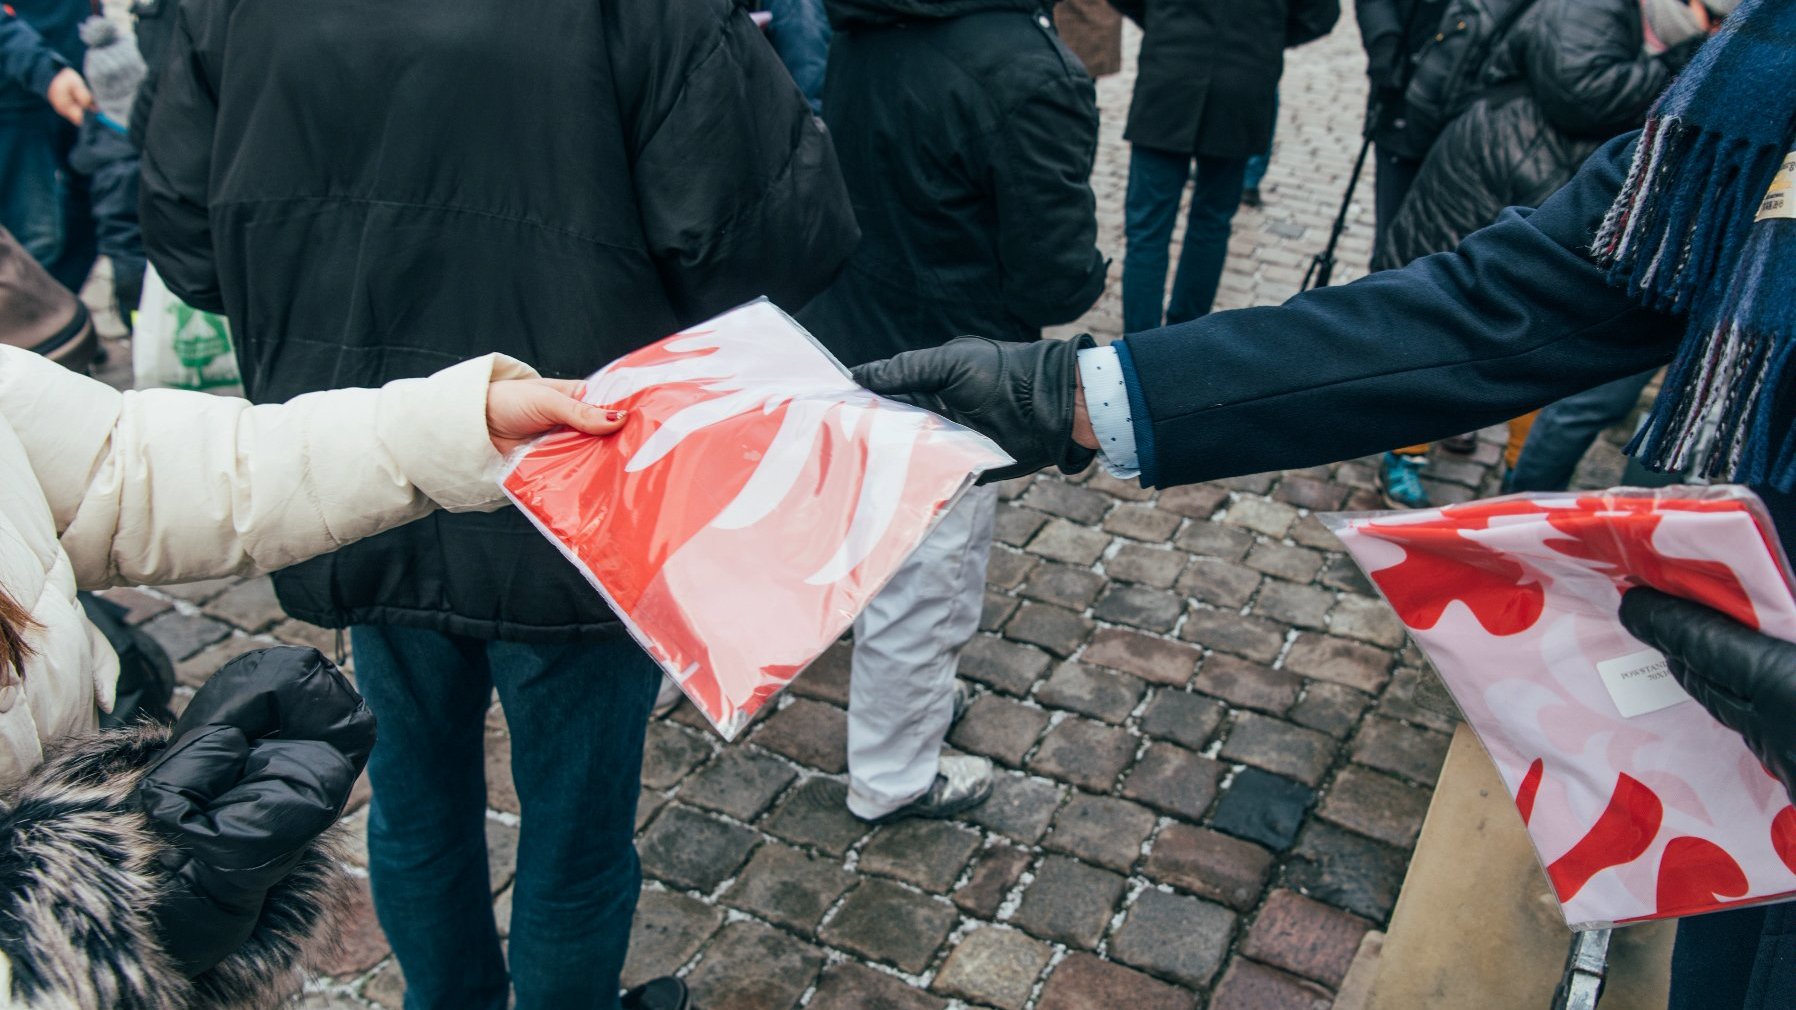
pixel 754 502
pixel 1640 805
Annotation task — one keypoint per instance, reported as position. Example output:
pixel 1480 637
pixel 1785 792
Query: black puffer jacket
pixel 1570 75
pixel 372 192
pixel 1209 71
pixel 966 132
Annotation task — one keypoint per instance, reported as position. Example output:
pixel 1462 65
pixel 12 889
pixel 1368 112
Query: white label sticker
pixel 1780 199
pixel 1641 682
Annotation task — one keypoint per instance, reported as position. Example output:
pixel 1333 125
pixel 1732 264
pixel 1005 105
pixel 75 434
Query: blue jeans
pixel 1563 432
pixel 1259 163
pixel 42 202
pixel 1156 182
pixel 577 715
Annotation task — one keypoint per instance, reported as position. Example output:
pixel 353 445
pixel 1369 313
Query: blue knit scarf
pixel 1699 229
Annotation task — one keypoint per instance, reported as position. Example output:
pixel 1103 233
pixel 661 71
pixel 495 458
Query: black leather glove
pixel 1019 395
pixel 260 764
pixel 1747 680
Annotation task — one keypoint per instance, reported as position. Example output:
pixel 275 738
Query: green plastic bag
pixel 176 346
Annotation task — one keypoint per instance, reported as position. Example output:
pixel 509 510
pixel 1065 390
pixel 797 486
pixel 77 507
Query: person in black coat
pixel 371 193
pixel 1393 32
pixel 1205 91
pixel 966 131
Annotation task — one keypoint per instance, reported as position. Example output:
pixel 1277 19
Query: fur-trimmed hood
pixel 82 870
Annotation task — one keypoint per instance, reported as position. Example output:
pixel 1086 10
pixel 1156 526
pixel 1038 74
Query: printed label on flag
pixel 1780 199
pixel 1641 682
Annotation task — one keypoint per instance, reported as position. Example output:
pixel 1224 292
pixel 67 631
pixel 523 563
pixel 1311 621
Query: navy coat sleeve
pixel 25 58
pixel 1516 317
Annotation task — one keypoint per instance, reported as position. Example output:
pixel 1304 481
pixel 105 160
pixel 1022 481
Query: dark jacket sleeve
pixel 1051 268
pixel 1516 317
pixel 1309 20
pixel 1376 19
pixel 155 29
pixel 740 192
pixel 25 58
pixel 174 203
pixel 1134 10
pixel 1587 69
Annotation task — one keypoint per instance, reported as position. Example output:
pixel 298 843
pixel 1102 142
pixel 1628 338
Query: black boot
pixel 666 993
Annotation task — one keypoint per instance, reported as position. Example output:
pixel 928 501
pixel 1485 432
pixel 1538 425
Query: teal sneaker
pixel 1400 478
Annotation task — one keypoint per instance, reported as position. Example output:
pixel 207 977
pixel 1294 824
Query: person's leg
pixel 800 34
pixel 427 821
pixel 906 648
pixel 1257 165
pixel 80 243
pixel 31 199
pixel 577 715
pixel 1564 431
pixel 1518 437
pixel 1156 183
pixel 1394 177
pixel 1712 963
pixel 1214 200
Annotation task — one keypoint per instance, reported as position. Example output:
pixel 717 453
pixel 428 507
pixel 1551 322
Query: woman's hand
pixel 69 96
pixel 518 410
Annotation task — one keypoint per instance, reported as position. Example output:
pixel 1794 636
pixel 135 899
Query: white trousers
pixel 906 647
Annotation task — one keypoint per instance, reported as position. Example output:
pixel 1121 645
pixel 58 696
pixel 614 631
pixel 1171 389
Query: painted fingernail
pixel 614 415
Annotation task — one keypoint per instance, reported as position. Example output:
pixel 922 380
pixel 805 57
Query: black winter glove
pixel 1020 395
pixel 1745 679
pixel 1384 60
pixel 260 764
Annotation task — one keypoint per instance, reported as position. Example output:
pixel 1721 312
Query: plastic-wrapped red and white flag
pixel 1640 805
pixel 754 502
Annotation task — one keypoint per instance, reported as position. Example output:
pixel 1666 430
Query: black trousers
pixel 1394 177
pixel 1743 959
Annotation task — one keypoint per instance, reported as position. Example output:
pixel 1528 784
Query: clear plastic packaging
pixel 754 502
pixel 1640 805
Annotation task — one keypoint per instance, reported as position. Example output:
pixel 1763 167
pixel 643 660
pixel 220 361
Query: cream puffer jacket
pixel 102 488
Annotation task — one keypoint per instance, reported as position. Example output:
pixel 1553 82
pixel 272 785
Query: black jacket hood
pixel 849 14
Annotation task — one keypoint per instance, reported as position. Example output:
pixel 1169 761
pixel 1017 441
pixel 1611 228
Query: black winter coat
pixel 966 131
pixel 372 192
pixel 1392 32
pixel 1208 73
pixel 1570 75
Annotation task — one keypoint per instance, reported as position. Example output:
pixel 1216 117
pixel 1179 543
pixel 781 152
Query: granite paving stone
pixel 1101 830
pixel 1016 526
pixel 1279 747
pixel 1020 807
pixel 1247 684
pixel 1261 515
pixel 249 605
pixel 788 887
pixel 1006 569
pixel 995 872
pixel 1085 753
pixel 1304 606
pixel 195 670
pixel 1003 666
pixel 927 853
pixel 1061 540
pixel 1248 985
pixel 1196 501
pixel 1083 982
pixel 826 679
pixel 815 814
pixel 1148 609
pixel 1298 564
pixel 1149 566
pixel 994 966
pixel 1214 540
pixel 183 635
pixel 884 922
pixel 1069 902
pixel 1347 870
pixel 1252 638
pixel 1175 937
pixel 1366 619
pixel 993 612
pixel 748 966
pixel 670 929
pixel 1340 661
pixel 1331 708
pixel 1217 582
pixel 1057 497
pixel 1305 937
pixel 850 986
pixel 1152 659
pixel 1263 807
pixel 1090 691
pixel 1002 729
pixel 1310 493
pixel 1209 864
pixel 1376 805
pixel 1183 717
pixel 669 753
pixel 1143 522
pixel 139 606
pixel 741 782
pixel 809 732
pixel 1063 585
pixel 692 850
pixel 1056 629
pixel 1174 781
pixel 1406 751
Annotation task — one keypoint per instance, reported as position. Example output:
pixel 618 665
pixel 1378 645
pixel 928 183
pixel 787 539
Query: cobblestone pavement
pixel 1215 747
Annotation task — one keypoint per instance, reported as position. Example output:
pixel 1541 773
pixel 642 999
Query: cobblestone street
pixel 1216 747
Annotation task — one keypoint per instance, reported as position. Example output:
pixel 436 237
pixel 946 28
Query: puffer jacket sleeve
pixel 737 181
pixel 174 202
pixel 163 486
pixel 1588 69
pixel 1040 159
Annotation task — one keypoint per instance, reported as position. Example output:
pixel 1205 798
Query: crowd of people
pixel 409 215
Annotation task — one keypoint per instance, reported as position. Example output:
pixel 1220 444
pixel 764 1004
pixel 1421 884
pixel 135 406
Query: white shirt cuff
pixel 1107 403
